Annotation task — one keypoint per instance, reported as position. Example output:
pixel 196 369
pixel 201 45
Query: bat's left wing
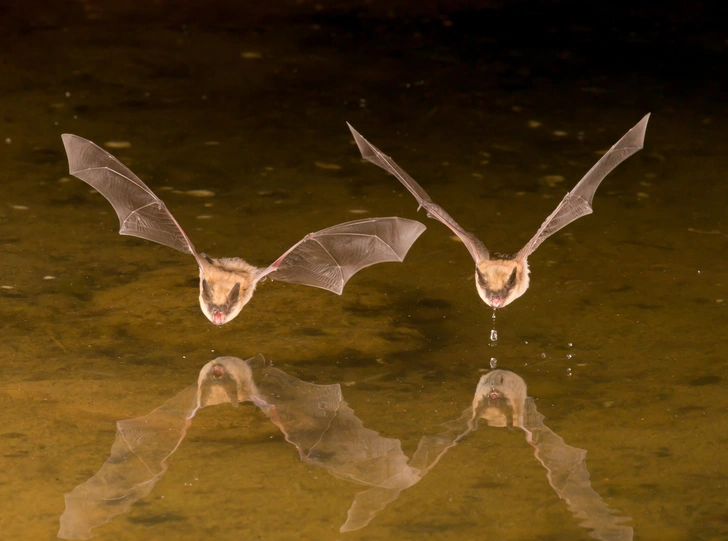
pixel 137 461
pixel 372 154
pixel 328 258
pixel 577 202
pixel 141 213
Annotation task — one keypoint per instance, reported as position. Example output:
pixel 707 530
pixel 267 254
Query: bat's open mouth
pixel 496 302
pixel 218 318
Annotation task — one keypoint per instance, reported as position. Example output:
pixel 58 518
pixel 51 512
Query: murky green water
pixel 620 337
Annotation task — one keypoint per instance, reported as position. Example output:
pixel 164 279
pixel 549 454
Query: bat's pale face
pixel 500 396
pixel 226 379
pixel 226 285
pixel 501 281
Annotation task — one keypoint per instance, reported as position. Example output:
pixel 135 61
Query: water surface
pixel 620 337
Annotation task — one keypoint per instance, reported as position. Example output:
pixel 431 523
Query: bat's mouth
pixel 218 318
pixel 496 301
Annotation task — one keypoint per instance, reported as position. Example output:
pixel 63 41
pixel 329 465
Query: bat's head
pixel 226 285
pixel 226 379
pixel 501 281
pixel 499 398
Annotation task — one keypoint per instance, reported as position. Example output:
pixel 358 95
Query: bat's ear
pixel 206 290
pixel 234 294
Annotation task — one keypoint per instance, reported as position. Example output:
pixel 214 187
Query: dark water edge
pixel 620 337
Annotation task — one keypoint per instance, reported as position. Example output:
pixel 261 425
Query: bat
pixel 318 422
pixel 325 259
pixel 500 398
pixel 501 279
pixel 314 418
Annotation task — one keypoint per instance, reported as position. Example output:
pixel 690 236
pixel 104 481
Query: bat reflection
pixel 323 428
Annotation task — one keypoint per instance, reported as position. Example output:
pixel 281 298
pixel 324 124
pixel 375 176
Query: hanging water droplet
pixel 493 335
pixel 493 315
pixel 493 363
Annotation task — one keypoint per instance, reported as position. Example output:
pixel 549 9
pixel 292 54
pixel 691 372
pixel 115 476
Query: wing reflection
pixel 501 400
pixel 326 433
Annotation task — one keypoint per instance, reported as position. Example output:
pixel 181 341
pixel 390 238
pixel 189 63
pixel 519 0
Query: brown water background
pixel 621 336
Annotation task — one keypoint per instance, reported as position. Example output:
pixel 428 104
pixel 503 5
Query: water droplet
pixel 571 345
pixel 569 355
pixel 543 355
pixel 493 335
pixel 493 362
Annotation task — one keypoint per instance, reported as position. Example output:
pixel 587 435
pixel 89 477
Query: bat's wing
pixel 328 258
pixel 372 154
pixel 567 474
pixel 141 213
pixel 302 411
pixel 577 202
pixel 326 432
pixel 137 461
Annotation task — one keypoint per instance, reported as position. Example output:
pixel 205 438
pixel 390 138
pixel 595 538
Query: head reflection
pixel 326 433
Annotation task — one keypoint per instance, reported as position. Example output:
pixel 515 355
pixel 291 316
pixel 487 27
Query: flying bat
pixel 325 259
pixel 501 279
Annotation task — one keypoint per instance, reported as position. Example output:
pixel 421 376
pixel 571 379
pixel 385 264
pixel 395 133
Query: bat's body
pixel 501 280
pixel 325 259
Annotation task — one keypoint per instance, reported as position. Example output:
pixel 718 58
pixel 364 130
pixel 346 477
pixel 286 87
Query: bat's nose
pixel 218 318
pixel 496 301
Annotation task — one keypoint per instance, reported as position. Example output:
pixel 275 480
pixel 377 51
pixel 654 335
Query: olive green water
pixel 620 338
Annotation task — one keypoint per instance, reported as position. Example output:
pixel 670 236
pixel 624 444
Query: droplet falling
pixel 493 363
pixel 493 335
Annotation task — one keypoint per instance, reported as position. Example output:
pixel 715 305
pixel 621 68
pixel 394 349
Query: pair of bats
pixel 328 258
pixel 326 433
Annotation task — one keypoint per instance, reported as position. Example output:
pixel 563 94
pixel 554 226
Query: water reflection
pixel 501 400
pixel 319 423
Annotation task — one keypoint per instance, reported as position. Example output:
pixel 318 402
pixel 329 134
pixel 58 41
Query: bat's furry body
pixel 501 280
pixel 325 259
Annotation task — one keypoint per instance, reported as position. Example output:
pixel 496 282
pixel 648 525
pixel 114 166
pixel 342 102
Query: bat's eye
pixel 234 294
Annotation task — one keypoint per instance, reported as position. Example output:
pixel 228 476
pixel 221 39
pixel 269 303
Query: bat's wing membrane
pixel 578 202
pixel 141 213
pixel 372 154
pixel 328 258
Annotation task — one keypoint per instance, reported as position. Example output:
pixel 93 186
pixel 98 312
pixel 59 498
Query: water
pixel 244 105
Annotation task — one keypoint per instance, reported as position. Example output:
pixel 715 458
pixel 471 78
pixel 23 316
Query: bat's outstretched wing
pixel 328 258
pixel 577 202
pixel 570 479
pixel 141 213
pixel 137 461
pixel 372 154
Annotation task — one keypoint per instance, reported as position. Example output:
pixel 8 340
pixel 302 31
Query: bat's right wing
pixel 570 479
pixel 372 154
pixel 141 213
pixel 328 258
pixel 577 202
